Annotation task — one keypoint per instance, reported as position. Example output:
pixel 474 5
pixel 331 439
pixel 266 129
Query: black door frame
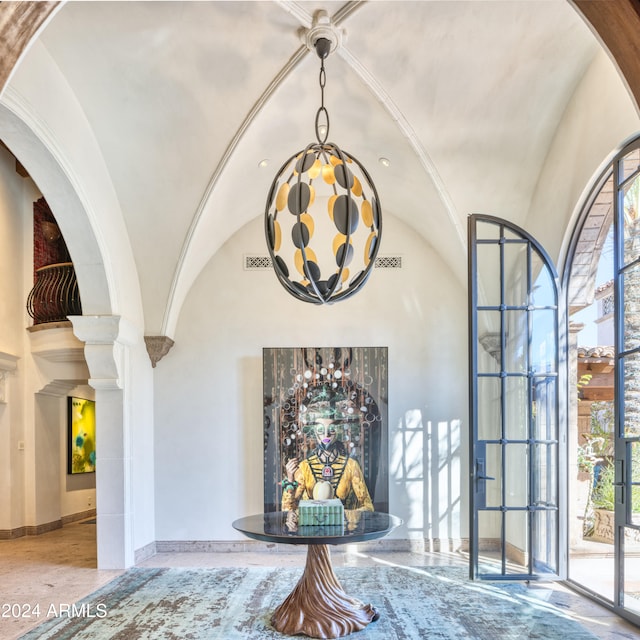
pixel 538 509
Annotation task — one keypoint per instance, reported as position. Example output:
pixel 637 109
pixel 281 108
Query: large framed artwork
pixel 326 426
pixel 81 438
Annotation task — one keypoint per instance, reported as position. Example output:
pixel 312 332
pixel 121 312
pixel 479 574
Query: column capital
pixel 104 329
pixel 105 339
pixel 158 347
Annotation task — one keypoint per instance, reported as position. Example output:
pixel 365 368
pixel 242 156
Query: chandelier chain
pixel 322 111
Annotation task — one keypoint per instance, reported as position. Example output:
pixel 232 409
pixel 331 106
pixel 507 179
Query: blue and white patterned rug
pixel 438 603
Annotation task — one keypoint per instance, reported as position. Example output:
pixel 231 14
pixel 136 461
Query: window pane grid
pixel 516 416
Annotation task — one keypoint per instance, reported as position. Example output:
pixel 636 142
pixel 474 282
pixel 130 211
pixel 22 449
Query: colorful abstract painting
pixel 82 435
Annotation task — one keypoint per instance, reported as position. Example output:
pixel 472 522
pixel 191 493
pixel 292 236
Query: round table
pixel 318 606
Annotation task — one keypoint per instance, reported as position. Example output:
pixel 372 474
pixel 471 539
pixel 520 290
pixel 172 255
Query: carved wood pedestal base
pixel 318 606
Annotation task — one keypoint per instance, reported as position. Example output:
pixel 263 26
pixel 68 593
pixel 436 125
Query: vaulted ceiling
pixel 185 99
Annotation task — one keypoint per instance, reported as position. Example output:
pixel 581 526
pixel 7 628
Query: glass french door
pixel 627 382
pixel 513 310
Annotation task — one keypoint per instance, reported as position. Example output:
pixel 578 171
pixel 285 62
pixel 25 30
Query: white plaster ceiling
pixel 185 98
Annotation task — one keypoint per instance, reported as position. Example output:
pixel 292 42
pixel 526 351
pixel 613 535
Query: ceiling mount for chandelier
pixel 322 218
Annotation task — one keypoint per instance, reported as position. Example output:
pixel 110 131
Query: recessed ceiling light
pixel 263 163
pixel 385 162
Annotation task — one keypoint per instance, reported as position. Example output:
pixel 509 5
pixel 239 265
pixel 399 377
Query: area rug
pixel 438 603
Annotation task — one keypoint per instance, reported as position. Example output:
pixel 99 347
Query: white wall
pixel 208 399
pixel 12 204
pixel 598 119
pixel 46 459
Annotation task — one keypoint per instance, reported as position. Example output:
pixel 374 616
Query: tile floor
pixel 58 568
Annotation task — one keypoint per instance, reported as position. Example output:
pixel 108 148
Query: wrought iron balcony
pixel 55 294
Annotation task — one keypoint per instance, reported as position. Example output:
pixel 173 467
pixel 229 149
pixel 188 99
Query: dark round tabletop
pixel 280 526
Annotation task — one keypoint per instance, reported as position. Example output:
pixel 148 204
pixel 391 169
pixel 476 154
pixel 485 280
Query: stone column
pixel 107 341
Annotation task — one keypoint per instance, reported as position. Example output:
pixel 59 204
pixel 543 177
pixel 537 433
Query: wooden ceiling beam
pixel 19 22
pixel 617 24
pixel 596 395
pixel 595 367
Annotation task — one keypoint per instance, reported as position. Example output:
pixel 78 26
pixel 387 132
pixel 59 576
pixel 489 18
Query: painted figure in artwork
pixel 328 471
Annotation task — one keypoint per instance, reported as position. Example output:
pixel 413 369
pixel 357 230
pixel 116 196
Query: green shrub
pixel 604 493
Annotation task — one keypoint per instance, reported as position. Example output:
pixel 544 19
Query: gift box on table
pixel 321 512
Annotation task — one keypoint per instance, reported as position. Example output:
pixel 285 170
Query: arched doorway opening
pixel 603 430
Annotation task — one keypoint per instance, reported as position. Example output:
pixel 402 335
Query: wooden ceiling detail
pixel 19 22
pixel 617 23
pixel 599 364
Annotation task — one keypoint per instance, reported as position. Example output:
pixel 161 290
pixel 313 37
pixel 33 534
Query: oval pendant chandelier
pixel 322 219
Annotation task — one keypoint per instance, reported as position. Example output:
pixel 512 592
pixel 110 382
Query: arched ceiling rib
pixel 184 99
pixel 185 273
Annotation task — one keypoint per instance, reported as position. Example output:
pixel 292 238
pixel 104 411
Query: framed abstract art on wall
pixel 81 438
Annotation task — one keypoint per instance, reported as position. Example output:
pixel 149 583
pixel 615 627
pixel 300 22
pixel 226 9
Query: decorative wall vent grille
pixel 388 262
pixel 257 263
pixel 260 263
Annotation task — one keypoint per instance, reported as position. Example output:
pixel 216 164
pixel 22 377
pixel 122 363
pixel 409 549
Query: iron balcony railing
pixel 55 294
